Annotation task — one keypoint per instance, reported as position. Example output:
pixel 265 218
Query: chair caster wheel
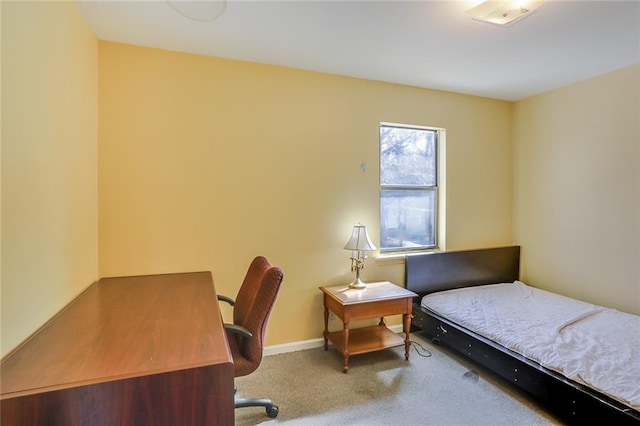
pixel 272 411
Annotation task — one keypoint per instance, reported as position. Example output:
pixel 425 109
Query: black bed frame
pixel 569 401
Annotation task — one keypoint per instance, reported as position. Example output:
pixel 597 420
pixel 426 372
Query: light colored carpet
pixel 381 388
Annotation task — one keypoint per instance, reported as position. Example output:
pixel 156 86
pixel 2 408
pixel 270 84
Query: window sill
pixel 390 258
pixel 398 257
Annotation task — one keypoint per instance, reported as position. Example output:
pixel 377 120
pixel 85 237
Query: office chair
pixel 251 310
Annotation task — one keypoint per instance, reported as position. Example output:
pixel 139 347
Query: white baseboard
pixel 307 344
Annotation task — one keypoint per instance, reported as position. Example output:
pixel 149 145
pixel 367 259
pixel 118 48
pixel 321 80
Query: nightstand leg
pixel 345 353
pixel 406 319
pixel 326 328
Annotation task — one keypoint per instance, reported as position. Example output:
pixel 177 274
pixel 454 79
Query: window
pixel 408 187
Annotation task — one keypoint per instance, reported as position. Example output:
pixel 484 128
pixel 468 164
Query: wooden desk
pixel 376 300
pixel 148 350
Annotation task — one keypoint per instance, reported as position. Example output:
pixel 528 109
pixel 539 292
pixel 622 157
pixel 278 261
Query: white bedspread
pixel 596 346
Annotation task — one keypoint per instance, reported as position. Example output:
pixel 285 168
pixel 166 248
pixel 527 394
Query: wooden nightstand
pixel 378 299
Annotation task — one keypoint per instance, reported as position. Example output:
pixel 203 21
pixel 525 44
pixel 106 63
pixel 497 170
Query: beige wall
pixel 49 148
pixel 577 189
pixel 205 163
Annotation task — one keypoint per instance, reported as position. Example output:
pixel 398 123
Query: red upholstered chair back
pixel 253 305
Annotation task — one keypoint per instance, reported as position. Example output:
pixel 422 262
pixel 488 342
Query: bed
pixel 531 339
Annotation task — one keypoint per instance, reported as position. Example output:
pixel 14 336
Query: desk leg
pixel 345 353
pixel 326 328
pixel 406 319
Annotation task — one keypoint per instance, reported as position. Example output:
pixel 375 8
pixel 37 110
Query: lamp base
pixel 357 284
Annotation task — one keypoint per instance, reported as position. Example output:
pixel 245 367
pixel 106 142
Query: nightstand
pixel 378 299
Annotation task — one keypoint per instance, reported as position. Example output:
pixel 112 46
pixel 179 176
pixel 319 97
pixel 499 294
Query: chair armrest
pixel 226 299
pixel 238 329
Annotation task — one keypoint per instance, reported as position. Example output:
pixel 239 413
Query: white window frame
pixel 439 188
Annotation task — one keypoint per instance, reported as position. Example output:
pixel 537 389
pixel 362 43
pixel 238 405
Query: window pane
pixel 407 156
pixel 407 219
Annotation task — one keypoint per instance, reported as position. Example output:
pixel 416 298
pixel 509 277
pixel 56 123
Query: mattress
pixel 590 344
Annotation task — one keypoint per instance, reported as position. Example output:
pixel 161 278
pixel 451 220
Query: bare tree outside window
pixel 408 187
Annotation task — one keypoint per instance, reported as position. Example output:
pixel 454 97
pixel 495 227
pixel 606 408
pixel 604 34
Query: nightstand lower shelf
pixel 366 339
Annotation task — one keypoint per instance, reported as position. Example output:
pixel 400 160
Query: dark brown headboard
pixel 437 271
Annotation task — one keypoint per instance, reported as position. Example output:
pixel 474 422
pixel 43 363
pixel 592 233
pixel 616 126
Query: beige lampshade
pixel 359 239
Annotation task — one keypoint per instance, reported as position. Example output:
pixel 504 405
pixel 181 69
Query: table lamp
pixel 359 243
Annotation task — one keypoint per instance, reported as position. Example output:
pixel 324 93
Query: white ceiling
pixel 431 44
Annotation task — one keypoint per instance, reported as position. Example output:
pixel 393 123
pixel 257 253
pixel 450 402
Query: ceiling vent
pixel 199 10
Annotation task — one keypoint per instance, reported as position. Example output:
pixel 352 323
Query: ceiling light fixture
pixel 503 13
pixel 199 10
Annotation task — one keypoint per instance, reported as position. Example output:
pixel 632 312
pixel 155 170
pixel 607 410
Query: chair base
pixel 270 407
